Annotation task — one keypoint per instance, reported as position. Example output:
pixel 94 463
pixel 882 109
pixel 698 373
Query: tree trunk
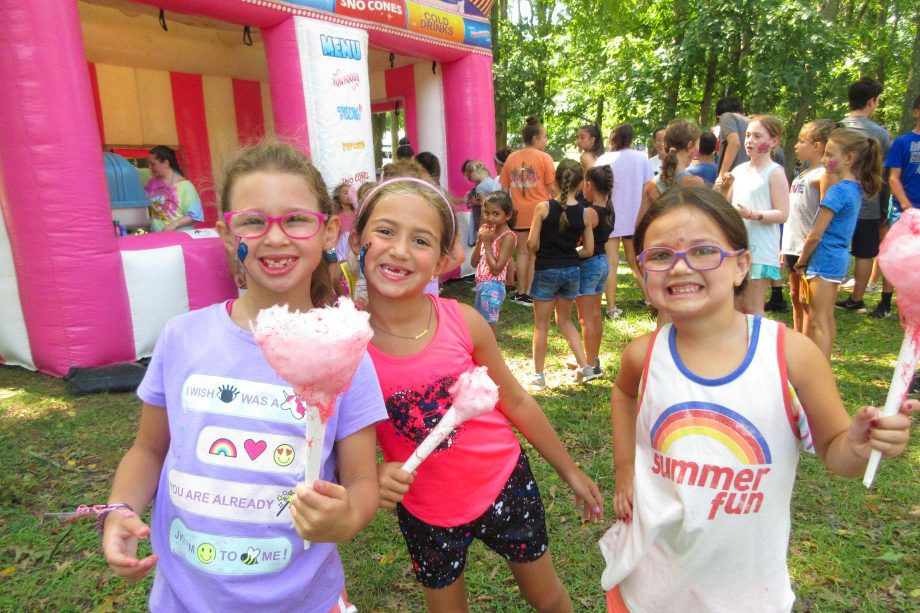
pixel 913 80
pixel 499 11
pixel 712 63
pixel 599 114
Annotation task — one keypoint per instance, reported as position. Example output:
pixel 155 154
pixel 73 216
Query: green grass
pixel 850 550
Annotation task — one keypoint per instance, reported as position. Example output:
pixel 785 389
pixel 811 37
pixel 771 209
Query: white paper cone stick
pixel 900 381
pixel 317 429
pixel 434 438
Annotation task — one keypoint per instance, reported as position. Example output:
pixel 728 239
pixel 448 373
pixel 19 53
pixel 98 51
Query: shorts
pixel 514 527
pixel 837 280
pixel 894 211
pixel 762 271
pixel 551 283
pixel 789 261
pixel 593 273
pixel 489 297
pixel 865 239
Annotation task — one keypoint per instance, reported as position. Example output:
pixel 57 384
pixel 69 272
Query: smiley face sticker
pixel 206 553
pixel 284 455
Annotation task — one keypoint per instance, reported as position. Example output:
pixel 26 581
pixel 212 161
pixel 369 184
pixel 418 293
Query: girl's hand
pixel 587 495
pixel 724 182
pixel 323 513
pixel 801 267
pixel 119 545
pixel 743 211
pixel 486 233
pixel 889 435
pixel 394 483
pixel 623 496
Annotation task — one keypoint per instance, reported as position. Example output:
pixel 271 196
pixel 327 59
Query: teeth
pixel 278 263
pixel 394 271
pixel 685 289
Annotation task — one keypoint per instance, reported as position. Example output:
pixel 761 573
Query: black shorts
pixel 789 261
pixel 514 527
pixel 865 238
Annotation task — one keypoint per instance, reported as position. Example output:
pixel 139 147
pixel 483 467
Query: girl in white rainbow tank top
pixel 705 467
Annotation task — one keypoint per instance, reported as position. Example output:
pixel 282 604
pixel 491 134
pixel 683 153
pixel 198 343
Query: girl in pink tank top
pixel 477 484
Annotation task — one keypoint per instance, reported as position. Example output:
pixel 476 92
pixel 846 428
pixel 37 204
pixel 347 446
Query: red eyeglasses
pixel 254 224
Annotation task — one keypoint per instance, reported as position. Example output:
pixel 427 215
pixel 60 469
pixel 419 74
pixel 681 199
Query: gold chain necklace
pixel 409 338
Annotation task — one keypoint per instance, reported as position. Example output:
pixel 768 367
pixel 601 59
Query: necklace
pixel 409 338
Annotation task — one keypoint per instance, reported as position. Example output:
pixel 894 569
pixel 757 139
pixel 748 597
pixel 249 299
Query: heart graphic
pixel 253 448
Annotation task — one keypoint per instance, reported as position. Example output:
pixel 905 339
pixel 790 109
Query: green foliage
pixel 648 61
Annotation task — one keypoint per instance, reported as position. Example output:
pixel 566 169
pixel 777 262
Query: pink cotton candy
pixel 474 393
pixel 317 351
pixel 899 257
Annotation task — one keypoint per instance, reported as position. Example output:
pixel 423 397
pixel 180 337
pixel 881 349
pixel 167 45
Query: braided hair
pixel 569 175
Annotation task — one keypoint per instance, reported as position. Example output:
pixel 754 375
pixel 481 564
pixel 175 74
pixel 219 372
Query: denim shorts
pixel 593 275
pixel 489 298
pixel 552 282
pixel 763 271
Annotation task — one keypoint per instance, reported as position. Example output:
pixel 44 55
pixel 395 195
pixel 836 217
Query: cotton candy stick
pixel 474 394
pixel 898 257
pixel 317 352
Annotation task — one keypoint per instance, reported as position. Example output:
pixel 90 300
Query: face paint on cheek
pixel 361 255
pixel 763 148
pixel 832 164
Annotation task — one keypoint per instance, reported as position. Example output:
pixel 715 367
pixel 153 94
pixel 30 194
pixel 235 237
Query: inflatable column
pixel 469 114
pixel 66 264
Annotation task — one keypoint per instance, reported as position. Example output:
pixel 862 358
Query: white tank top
pixel 804 198
pixel 752 189
pixel 715 465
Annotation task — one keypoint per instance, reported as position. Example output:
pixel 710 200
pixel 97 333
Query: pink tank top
pixel 465 474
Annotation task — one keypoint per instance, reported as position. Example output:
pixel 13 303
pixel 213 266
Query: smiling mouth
pixel 277 263
pixel 676 290
pixel 393 272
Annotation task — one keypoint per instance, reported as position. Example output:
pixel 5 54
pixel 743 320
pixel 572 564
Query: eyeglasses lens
pixel 295 225
pixel 702 257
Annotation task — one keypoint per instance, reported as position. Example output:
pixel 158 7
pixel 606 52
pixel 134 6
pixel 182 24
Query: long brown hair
pixel 569 174
pixel 867 167
pixel 679 134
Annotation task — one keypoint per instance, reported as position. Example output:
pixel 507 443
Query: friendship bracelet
pixel 108 508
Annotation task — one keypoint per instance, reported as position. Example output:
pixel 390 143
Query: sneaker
pixel 852 305
pixel 537 381
pixel 614 313
pixel 583 375
pixel 523 300
pixel 597 368
pixel 872 288
pixel 849 283
pixel 778 306
pixel 880 312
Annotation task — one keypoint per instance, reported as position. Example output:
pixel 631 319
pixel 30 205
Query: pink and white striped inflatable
pixel 71 292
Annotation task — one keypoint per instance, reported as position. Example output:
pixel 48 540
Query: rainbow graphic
pixel 729 428
pixel 224 447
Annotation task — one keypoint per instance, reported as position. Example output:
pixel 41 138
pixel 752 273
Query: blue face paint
pixel 241 252
pixel 361 255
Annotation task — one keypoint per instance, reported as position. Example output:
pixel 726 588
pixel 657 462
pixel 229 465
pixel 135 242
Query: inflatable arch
pixel 81 76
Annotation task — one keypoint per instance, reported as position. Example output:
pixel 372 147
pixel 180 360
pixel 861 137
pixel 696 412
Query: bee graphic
pixel 251 557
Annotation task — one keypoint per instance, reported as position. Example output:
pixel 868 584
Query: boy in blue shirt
pixel 903 164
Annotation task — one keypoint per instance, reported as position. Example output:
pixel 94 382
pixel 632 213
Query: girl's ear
pixel 744 266
pixel 330 232
pixel 354 242
pixel 228 239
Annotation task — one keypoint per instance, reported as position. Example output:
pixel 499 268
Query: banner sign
pixel 464 22
pixel 333 64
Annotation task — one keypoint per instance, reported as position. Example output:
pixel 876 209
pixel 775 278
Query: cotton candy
pixel 317 352
pixel 474 394
pixel 899 257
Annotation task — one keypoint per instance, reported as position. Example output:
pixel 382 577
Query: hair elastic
pixel 379 186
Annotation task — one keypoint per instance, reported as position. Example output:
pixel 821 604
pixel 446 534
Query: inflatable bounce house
pixel 84 77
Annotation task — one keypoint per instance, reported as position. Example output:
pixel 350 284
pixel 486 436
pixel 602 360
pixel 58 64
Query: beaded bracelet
pixel 102 513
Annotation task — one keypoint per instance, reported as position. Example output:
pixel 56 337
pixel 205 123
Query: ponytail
pixel 679 135
pixel 868 168
pixel 668 165
pixel 601 177
pixel 569 173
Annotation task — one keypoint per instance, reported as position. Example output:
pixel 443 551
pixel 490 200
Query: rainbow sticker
pixel 224 447
pixel 729 428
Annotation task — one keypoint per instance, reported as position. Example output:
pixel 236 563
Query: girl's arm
pixel 533 238
pixel 587 237
pixel 650 195
pixel 477 249
pixel 335 512
pixel 135 484
pixel 505 249
pixel 844 444
pixel 823 219
pixel 527 416
pixel 624 407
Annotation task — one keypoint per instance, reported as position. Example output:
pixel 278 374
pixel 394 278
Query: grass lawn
pixel 850 550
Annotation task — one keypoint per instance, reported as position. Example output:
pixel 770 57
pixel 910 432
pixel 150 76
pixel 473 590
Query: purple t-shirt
pixel 220 523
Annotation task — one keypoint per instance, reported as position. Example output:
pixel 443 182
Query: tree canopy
pixel 648 61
